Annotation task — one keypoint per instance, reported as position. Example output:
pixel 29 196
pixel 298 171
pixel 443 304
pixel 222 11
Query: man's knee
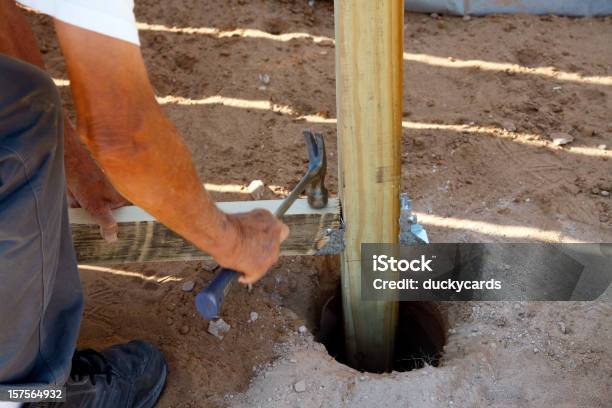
pixel 28 94
pixel 30 113
pixel 31 141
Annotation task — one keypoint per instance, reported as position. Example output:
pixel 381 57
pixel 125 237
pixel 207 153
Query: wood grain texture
pixel 143 239
pixel 369 49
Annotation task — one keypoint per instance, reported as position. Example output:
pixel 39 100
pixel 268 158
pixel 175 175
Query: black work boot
pixel 128 375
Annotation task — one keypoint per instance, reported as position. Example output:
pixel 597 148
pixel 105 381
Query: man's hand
pixel 254 244
pixel 88 187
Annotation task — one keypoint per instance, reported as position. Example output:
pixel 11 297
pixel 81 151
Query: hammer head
pixel 317 167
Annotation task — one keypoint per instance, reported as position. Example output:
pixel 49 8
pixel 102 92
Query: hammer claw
pixel 311 146
pixel 315 190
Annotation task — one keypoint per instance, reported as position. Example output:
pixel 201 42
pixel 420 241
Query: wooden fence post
pixel 369 72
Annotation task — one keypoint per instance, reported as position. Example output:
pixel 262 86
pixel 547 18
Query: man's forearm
pixel 137 146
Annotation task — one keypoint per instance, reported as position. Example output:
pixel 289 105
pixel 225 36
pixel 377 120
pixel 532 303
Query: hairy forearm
pixel 151 166
pixel 137 146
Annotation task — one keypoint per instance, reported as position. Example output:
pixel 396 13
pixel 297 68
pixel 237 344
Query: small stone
pixel 188 286
pixel 602 147
pixel 184 329
pixel 535 351
pixel 259 191
pixel 560 138
pixel 604 193
pixel 169 321
pixel 265 78
pixel 300 386
pixel 302 329
pixel 434 15
pixel 256 189
pixel 562 327
pixel 218 328
pixel 508 125
pixel 467 17
pixel 253 316
pixel 594 191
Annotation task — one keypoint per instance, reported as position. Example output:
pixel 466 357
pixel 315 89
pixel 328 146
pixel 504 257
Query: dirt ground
pixel 484 98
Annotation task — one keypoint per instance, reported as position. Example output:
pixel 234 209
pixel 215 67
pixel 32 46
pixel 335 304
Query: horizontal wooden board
pixel 143 239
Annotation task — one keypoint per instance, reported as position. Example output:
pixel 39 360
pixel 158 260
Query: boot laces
pixel 89 363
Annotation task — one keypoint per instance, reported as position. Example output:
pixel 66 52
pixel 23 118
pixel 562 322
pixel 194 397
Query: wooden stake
pixel 369 69
pixel 143 239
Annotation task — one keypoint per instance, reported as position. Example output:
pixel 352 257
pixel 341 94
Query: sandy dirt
pixel 483 100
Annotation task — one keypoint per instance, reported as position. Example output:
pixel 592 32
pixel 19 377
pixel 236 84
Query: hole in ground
pixel 420 337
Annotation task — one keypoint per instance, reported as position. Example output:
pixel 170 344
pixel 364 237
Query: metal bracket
pixel 411 232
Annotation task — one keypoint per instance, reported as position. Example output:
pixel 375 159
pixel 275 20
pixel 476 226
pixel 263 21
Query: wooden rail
pixel 142 238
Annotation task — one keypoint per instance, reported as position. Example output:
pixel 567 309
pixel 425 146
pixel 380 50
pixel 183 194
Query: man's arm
pixel 85 180
pixel 143 155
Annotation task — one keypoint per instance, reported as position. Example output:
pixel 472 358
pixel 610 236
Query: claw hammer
pixel 210 299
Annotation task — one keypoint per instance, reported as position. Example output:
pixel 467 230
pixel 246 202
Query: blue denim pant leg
pixel 41 298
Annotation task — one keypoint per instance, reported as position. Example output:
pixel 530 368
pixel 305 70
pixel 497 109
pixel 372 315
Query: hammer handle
pixel 209 300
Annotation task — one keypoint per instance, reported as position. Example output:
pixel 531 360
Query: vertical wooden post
pixel 369 72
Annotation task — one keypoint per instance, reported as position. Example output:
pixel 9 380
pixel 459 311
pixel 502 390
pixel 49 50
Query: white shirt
pixel 114 18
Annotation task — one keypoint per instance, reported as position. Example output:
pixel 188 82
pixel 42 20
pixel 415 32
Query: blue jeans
pixel 41 300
